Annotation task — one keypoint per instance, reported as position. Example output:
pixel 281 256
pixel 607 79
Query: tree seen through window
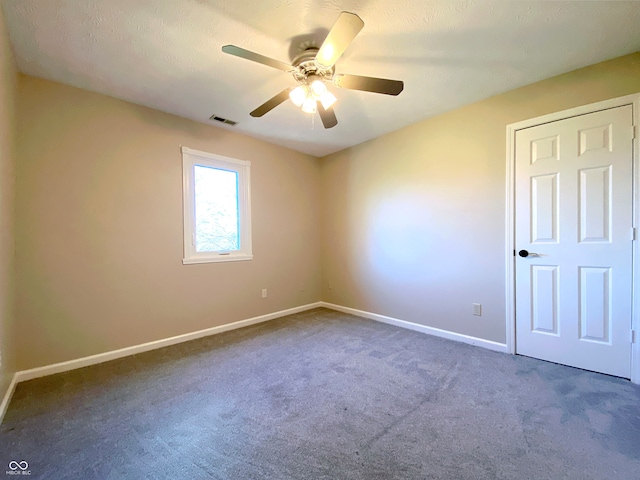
pixel 216 209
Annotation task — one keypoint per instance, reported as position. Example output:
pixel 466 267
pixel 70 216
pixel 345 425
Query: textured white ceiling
pixel 166 54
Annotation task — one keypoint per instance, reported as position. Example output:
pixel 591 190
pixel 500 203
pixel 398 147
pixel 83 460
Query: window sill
pixel 217 259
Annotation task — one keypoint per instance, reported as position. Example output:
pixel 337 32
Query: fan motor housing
pixel 305 65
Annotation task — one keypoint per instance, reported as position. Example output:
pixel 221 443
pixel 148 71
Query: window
pixel 217 209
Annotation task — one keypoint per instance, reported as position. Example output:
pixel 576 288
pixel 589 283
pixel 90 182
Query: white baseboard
pixel 145 347
pixel 25 375
pixel 458 337
pixel 7 397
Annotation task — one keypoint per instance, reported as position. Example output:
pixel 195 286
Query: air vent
pixel 222 120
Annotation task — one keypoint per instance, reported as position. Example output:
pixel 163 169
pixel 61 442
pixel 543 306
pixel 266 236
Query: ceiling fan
pixel 314 68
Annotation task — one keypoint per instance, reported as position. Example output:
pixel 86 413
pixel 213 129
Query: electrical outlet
pixel 477 309
pixel 264 293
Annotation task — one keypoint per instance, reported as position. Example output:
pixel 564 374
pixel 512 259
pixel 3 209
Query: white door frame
pixel 633 100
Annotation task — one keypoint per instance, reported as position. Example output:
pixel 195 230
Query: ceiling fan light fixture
pixel 327 99
pixel 314 68
pixel 309 105
pixel 298 95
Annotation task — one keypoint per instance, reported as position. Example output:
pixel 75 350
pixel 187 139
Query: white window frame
pixel 192 158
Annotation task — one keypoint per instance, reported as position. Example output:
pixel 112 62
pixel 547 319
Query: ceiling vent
pixel 223 120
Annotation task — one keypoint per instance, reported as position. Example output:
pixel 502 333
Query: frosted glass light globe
pixel 309 105
pixel 327 99
pixel 318 88
pixel 298 95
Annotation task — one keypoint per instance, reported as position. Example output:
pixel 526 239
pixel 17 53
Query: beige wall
pixel 413 222
pixel 99 231
pixel 7 94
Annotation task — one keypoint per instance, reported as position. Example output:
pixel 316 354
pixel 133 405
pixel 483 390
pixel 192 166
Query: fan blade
pixel 339 38
pixel 256 57
pixel 272 103
pixel 328 116
pixel 369 84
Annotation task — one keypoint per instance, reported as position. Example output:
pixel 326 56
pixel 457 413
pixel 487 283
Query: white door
pixel 574 218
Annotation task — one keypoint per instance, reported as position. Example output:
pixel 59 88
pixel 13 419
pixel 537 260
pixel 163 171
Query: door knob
pixel 525 253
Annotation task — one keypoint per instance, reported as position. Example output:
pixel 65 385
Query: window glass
pixel 216 209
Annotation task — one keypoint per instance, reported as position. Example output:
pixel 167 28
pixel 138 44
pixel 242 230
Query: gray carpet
pixel 324 395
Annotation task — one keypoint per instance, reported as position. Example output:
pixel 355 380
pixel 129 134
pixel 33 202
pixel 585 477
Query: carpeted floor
pixel 324 395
